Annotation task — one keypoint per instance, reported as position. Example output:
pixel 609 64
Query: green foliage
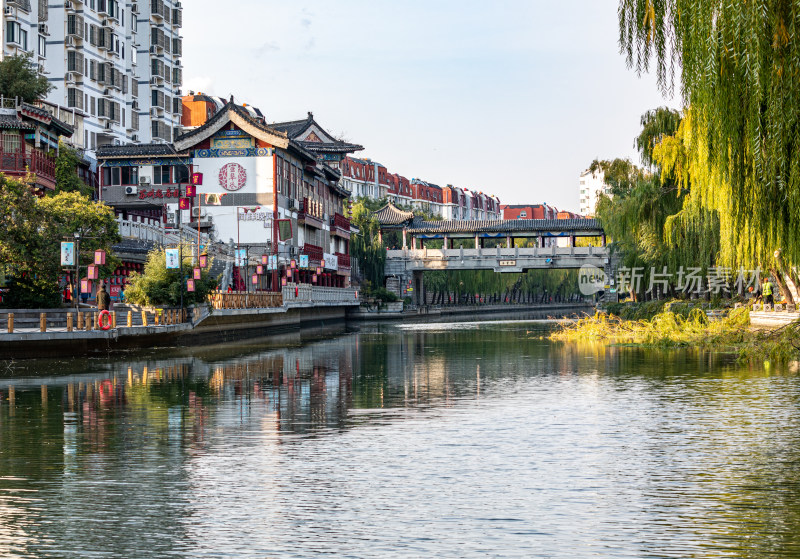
pixel 365 246
pixel 665 329
pixel 160 286
pixel 31 235
pixel 67 179
pixel 533 284
pixel 20 77
pixel 738 67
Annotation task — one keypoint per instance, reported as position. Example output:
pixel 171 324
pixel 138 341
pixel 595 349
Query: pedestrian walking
pixel 767 291
pixel 103 299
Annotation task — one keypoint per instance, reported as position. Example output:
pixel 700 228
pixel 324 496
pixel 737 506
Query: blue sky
pixel 513 98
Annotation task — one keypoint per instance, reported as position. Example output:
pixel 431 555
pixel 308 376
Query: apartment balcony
pixel 344 264
pixel 310 214
pixel 315 253
pixel 19 164
pixel 340 226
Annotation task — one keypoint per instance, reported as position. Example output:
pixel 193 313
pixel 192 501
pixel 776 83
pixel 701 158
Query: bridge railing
pixel 498 252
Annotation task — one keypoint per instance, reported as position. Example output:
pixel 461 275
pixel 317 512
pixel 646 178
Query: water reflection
pixel 445 439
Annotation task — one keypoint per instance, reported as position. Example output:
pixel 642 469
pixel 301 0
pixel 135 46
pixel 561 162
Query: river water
pixel 468 439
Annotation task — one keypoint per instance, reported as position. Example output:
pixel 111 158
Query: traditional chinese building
pixel 29 143
pixel 273 203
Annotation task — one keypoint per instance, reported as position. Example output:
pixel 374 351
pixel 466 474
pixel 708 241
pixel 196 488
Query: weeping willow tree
pixel 366 245
pixel 487 286
pixel 737 65
pixel 651 215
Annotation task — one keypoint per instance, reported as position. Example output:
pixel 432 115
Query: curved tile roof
pixel 392 215
pixel 505 225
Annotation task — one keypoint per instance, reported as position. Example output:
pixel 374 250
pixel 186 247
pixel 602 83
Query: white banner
pixel 67 254
pixel 331 261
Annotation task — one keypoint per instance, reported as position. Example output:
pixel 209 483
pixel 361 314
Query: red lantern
pixel 259 269
pixel 265 259
pixel 100 257
pixel 197 179
pixel 203 260
pixel 283 282
pixel 254 279
pixel 191 191
pixel 198 273
pixel 190 285
pixel 93 272
pixel 185 203
pixel 314 278
pixel 293 264
pixel 86 286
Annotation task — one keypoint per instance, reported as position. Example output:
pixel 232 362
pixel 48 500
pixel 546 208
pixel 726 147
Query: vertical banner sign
pixel 86 286
pixel 254 279
pixel 173 258
pixel 190 285
pixel 67 254
pixel 241 257
pixel 273 261
pixel 284 229
pixel 184 203
pixel 265 259
pixel 197 179
pixel 191 191
pixel 198 273
pixel 304 261
pixel 92 272
pixel 259 269
pixel 100 258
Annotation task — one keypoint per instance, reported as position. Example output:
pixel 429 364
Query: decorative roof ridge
pixel 232 112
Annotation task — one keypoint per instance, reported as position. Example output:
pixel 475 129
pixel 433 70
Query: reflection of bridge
pixel 499 245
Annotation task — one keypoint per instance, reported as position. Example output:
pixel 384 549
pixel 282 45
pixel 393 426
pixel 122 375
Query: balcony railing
pixel 341 222
pixel 34 161
pixel 314 252
pixel 344 260
pixel 309 214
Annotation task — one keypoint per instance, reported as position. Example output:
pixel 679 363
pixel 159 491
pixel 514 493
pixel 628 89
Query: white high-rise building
pixel 592 185
pixel 117 62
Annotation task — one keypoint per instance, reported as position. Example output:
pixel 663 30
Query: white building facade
pixel 116 62
pixel 592 185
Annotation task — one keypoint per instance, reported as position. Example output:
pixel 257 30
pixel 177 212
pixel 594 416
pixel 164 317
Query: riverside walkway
pixel 25 333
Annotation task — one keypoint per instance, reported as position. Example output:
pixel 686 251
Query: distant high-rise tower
pixel 592 185
pixel 117 62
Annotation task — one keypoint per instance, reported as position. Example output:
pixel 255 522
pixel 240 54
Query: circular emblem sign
pixel 232 177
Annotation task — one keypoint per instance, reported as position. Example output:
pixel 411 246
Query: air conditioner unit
pixel 106 92
pixel 131 190
pixel 43 29
pixel 144 181
pixel 134 8
pixel 108 125
pixel 199 211
pixel 135 138
pixel 9 11
pixel 135 105
pixel 153 111
pixel 69 41
pixel 70 77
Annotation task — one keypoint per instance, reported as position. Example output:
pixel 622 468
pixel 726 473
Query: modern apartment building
pixel 592 185
pixel 116 62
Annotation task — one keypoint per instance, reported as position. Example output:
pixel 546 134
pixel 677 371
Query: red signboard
pixel 160 193
pixel 191 190
pixel 197 179
pixel 185 203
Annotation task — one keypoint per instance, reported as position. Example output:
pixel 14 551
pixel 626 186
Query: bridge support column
pixel 405 238
pixel 508 241
pixel 541 242
pixel 603 240
pixel 419 289
pixel 572 240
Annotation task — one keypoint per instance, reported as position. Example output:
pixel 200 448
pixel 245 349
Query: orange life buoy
pixel 104 324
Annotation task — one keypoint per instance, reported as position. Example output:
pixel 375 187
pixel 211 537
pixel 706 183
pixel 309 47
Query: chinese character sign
pixel 67 254
pixel 173 258
pixel 197 179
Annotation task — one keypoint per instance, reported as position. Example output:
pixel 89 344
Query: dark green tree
pixel 67 179
pixel 20 77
